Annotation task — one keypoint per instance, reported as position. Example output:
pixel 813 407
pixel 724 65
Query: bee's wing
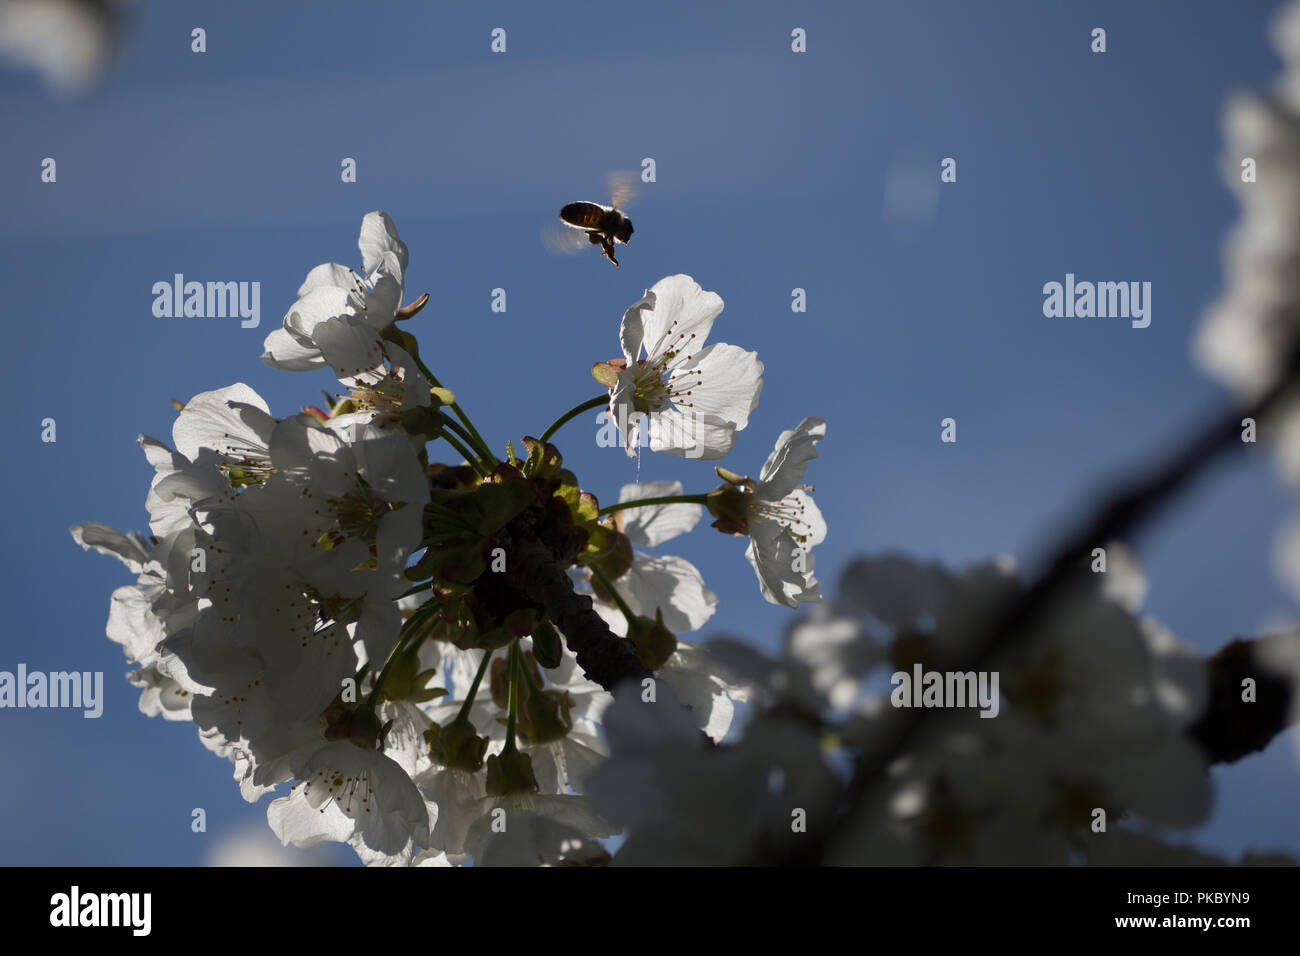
pixel 622 188
pixel 560 239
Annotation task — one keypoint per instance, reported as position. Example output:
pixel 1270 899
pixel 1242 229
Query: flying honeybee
pixel 599 225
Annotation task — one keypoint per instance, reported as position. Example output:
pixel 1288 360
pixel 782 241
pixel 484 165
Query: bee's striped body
pixel 604 225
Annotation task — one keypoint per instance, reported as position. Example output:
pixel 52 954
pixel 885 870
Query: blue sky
pixel 772 170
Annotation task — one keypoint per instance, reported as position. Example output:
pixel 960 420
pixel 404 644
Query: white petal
pixel 329 275
pixel 623 412
pixel 349 792
pixel 390 467
pixel 354 349
pixel 458 797
pixel 811 526
pixel 226 420
pixel 133 624
pixel 669 584
pixel 631 331
pixel 298 441
pixel 379 236
pixel 771 552
pixel 680 318
pixel 583 754
pixel 652 525
pixel 698 437
pixel 785 467
pixel 160 695
pixel 385 295
pixel 710 707
pixel 612 616
pixel 131 549
pixel 729 382
pixel 286 352
pixel 316 307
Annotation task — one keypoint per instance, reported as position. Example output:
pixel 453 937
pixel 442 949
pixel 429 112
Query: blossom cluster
pixel 1094 727
pixel 423 649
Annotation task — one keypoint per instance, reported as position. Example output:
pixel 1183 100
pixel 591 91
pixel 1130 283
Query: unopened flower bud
pixel 545 717
pixel 654 643
pixel 547 647
pixel 510 772
pixel 457 746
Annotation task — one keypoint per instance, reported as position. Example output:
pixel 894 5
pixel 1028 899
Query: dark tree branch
pixel 538 571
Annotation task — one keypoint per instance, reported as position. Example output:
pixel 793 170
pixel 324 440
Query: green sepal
pixel 729 505
pixel 546 717
pixel 606 373
pixel 654 643
pixel 510 772
pixel 457 746
pixel 547 645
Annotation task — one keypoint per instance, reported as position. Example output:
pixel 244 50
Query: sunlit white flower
pixel 343 516
pixel 689 397
pixel 383 403
pixel 671 586
pixel 455 799
pixel 142 615
pixel 783 522
pixel 351 795
pixel 659 582
pixel 269 669
pixel 236 424
pixel 339 314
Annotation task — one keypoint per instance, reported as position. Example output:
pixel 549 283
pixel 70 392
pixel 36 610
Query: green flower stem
pixel 533 683
pixel 465 436
pixel 701 499
pixel 482 446
pixel 572 413
pixel 421 615
pixel 465 453
pixel 474 438
pixel 608 585
pixel 463 714
pixel 512 715
pixel 373 700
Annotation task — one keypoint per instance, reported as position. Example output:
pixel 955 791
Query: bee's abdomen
pixel 584 215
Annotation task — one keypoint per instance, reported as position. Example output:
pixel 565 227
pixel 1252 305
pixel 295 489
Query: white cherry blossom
pixel 785 523
pixel 659 582
pixel 689 397
pixel 339 314
pixel 351 795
